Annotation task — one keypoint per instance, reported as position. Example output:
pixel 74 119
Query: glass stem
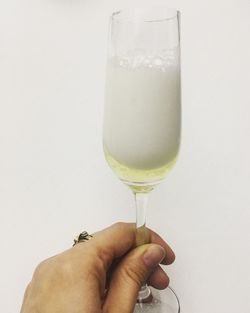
pixel 141 201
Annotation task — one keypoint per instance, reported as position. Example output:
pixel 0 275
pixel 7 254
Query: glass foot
pixel 163 301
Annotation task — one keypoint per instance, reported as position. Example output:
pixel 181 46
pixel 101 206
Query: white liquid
pixel 142 115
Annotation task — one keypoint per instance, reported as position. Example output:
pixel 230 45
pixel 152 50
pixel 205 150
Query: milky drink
pixel 141 120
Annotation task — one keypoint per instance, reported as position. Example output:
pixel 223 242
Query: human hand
pixel 75 280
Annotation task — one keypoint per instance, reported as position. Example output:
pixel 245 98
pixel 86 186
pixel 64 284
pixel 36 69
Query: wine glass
pixel 142 114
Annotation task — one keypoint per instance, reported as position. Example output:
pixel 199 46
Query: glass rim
pixel 129 14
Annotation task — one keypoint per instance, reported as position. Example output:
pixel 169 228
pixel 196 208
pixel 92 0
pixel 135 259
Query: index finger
pixel 116 240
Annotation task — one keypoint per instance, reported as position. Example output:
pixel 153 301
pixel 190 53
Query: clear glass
pixel 142 114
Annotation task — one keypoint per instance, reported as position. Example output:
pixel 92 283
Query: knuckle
pixel 64 268
pixel 53 269
pixel 27 290
pixel 119 225
pixel 40 269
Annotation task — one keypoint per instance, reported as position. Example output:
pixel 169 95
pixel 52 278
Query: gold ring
pixel 84 236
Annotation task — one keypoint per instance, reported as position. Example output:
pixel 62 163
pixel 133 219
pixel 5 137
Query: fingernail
pixel 154 255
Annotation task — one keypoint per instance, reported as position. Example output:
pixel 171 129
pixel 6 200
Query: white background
pixel 54 180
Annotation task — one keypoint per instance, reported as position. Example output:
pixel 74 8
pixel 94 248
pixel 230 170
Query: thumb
pixel 129 275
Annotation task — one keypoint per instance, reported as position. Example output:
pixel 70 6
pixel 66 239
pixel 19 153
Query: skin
pixel 75 280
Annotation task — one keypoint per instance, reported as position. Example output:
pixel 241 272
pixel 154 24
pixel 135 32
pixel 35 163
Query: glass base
pixel 162 301
pixel 138 187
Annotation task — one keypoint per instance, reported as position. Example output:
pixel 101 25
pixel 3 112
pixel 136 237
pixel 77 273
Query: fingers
pixel 170 256
pixel 115 240
pixel 118 239
pixel 134 269
pixel 158 279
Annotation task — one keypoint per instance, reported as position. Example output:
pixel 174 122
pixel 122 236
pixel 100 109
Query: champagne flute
pixel 142 114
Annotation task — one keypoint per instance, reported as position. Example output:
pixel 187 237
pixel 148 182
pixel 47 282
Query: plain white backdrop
pixel 54 181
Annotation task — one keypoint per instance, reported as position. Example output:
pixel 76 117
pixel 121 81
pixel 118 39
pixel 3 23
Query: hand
pixel 75 280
